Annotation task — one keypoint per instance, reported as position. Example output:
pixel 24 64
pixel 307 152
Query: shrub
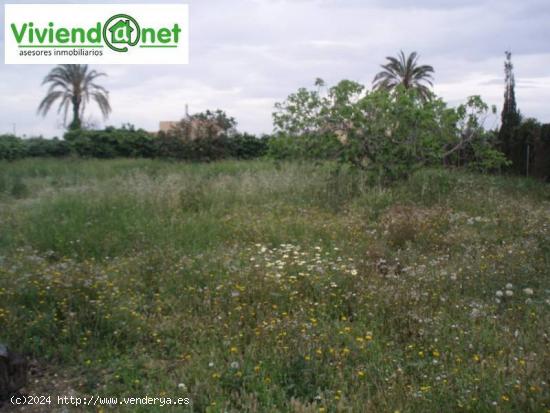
pixel 208 136
pixel 246 146
pixel 111 142
pixel 11 147
pixel 306 146
pixel 46 147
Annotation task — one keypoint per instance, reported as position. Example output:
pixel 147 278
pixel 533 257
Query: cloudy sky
pixel 247 54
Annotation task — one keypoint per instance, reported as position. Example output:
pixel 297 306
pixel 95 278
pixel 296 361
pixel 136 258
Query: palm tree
pixel 405 71
pixel 74 85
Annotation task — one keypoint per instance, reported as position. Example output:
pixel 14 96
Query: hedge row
pixel 111 143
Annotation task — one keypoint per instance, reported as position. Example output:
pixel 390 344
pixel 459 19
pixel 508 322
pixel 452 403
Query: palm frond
pixel 74 84
pixel 405 70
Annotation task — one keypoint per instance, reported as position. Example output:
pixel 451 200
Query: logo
pixel 122 29
pixel 91 33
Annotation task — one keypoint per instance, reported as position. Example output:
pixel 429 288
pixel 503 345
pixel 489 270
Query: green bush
pixel 35 147
pixel 112 142
pixel 246 146
pixel 306 146
pixel 11 147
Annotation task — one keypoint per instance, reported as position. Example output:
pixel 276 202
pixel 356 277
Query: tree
pixel 405 71
pixel 472 145
pixel 300 113
pixel 311 112
pixel 74 85
pixel 387 133
pixel 204 125
pixel 391 134
pixel 510 116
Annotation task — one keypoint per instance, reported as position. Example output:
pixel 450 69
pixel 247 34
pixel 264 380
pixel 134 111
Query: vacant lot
pixel 264 287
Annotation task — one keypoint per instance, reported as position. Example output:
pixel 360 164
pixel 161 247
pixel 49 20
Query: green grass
pixel 269 287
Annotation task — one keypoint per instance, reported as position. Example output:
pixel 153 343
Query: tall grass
pixel 259 286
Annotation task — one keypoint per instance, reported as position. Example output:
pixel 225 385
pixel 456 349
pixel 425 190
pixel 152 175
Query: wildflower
pixel 528 291
pixel 235 365
pixel 509 286
pixel 499 294
pixel 509 293
pixel 182 386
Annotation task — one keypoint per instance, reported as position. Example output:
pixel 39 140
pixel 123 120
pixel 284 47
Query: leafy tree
pixel 301 112
pixel 74 85
pixel 307 124
pixel 311 112
pixel 393 133
pixel 204 125
pixel 388 133
pixel 472 145
pixel 405 71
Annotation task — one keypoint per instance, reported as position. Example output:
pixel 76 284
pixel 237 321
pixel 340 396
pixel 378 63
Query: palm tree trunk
pixel 75 124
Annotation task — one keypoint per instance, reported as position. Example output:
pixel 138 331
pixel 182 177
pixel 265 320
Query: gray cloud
pixel 246 55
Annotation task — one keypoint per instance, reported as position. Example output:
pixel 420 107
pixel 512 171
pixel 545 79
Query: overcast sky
pixel 248 54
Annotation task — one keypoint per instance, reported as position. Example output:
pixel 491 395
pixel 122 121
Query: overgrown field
pixel 278 287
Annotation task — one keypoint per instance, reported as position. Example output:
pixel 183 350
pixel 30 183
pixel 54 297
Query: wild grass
pixel 259 286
